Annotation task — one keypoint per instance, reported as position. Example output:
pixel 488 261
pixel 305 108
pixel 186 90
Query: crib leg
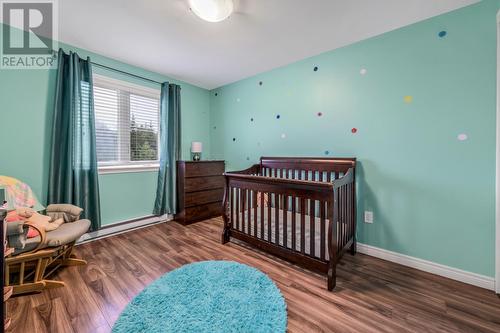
pixel 332 277
pixel 353 248
pixel 225 235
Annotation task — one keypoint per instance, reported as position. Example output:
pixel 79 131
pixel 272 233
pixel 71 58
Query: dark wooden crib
pixel 286 206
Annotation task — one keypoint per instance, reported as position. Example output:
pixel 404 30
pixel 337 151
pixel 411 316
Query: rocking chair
pixel 29 269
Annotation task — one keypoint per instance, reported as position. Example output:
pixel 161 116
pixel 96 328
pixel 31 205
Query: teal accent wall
pixel 433 196
pixel 26 105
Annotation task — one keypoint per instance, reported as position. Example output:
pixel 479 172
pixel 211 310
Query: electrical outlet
pixel 368 216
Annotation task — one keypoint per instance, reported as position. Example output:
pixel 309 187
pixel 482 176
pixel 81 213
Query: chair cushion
pixel 69 213
pixel 66 233
pixel 16 234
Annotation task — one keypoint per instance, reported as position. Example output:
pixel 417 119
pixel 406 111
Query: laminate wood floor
pixel 372 295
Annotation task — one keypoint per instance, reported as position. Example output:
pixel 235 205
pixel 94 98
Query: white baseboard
pixel 429 266
pixel 122 227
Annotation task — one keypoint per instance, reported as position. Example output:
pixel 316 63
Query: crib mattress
pixel 249 229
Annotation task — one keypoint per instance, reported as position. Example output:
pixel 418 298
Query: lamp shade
pixel 196 147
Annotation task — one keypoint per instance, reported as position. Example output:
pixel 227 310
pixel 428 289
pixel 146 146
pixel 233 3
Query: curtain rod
pixel 126 73
pixel 54 52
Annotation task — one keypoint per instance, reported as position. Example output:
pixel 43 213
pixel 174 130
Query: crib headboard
pixel 306 168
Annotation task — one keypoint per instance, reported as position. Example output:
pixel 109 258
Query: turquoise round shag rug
pixel 208 296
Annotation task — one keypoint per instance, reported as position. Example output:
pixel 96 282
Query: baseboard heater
pixel 123 226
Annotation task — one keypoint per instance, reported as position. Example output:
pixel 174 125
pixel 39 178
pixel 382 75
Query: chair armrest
pixel 70 213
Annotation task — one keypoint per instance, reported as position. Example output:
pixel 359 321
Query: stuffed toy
pixel 30 216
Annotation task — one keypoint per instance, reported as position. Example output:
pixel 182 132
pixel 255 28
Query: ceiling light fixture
pixel 212 10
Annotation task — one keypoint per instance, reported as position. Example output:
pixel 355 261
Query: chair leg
pixel 34 287
pixel 51 284
pixel 74 262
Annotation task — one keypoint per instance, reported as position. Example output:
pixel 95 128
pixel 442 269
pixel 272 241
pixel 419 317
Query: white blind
pixel 127 122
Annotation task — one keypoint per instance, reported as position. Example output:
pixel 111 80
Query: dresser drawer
pixel 203 212
pixel 203 183
pixel 203 197
pixel 204 169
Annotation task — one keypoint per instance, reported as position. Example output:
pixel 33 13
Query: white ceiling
pixel 165 37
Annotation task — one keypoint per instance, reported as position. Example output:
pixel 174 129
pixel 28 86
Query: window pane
pixel 106 108
pixel 143 128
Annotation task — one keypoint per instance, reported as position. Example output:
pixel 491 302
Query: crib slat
pixel 254 203
pixel 302 225
pixel 249 212
pixel 353 211
pixel 238 192
pixel 343 216
pixel 341 225
pixel 322 207
pixel 276 218
pixel 231 203
pixel 269 217
pixel 285 221
pixel 348 198
pixel 243 209
pixel 294 230
pixel 312 233
pixel 262 215
pixel 346 215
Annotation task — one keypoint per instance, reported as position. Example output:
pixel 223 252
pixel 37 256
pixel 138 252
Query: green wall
pixel 433 196
pixel 26 104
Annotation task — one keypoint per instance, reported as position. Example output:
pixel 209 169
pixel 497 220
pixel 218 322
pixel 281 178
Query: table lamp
pixel 196 149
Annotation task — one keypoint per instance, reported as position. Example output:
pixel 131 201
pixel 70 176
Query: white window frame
pixel 130 166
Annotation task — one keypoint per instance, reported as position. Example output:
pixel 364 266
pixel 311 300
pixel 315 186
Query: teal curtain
pixel 170 149
pixel 73 175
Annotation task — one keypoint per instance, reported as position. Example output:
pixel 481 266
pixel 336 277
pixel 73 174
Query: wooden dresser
pixel 200 189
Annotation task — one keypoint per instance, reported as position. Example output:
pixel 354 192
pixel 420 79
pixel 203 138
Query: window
pixel 127 125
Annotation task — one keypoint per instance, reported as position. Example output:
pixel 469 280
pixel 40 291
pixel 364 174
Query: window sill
pixel 104 170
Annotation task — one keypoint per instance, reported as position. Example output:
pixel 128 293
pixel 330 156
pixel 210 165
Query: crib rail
pixel 315 169
pixel 280 216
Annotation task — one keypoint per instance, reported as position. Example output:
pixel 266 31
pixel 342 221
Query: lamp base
pixel 196 157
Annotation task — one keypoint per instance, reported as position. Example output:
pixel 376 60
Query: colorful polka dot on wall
pixel 278 116
pixel 319 114
pixel 442 34
pixel 408 99
pixel 248 158
pixel 327 152
pixel 251 119
pixel 216 94
pixel 234 139
pixel 462 137
pixel 283 136
pixel 363 71
pixel 315 68
pixel 260 83
pixel 215 127
pixel 354 130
